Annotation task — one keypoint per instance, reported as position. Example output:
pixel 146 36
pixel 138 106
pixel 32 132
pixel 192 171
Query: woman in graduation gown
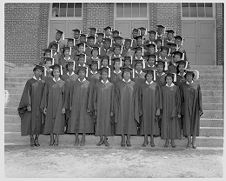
pixel 192 108
pixel 150 103
pixel 171 111
pixel 28 110
pixel 52 106
pixel 104 107
pixel 126 107
pixel 80 121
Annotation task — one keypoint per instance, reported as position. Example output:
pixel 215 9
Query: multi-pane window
pixel 199 10
pixel 131 10
pixel 66 9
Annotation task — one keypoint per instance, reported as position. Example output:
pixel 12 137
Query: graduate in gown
pixel 68 78
pixel 52 106
pixel 126 107
pixel 28 110
pixel 116 73
pixel 104 107
pixel 150 103
pixel 48 62
pixel 192 108
pixel 80 121
pixel 171 111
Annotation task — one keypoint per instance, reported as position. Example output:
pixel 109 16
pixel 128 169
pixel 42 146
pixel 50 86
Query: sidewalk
pixel 92 161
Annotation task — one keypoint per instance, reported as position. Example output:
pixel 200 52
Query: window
pixel 199 10
pixel 131 10
pixel 67 10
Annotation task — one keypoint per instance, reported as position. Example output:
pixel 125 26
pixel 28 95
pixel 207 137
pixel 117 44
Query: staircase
pixel 211 133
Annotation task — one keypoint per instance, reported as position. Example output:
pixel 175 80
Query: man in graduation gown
pixel 126 107
pixel 28 110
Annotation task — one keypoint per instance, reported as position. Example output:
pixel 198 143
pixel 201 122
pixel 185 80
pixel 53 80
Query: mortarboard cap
pixel 137 62
pixel 46 50
pixel 160 62
pixel 115 32
pixel 138 37
pixel 152 56
pixel 118 38
pixel 128 40
pixel 142 28
pixel 170 31
pixel 82 55
pixel 178 53
pixel 80 44
pixel 178 37
pixel 126 58
pixel 160 26
pixel 164 48
pixel 171 44
pixel 59 31
pixel 148 71
pixel 37 66
pixel 107 28
pixel 70 39
pixel 81 68
pixel 135 29
pixel 93 29
pixel 54 45
pixel 104 57
pixel 152 32
pixel 90 37
pixel 150 45
pixel 181 62
pixel 76 30
pixel 138 48
pixel 84 35
pixel 126 69
pixel 103 69
pixel 47 59
pixel 100 34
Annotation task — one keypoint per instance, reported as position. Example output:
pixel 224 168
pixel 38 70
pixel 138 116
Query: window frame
pixel 130 18
pixel 199 18
pixel 64 18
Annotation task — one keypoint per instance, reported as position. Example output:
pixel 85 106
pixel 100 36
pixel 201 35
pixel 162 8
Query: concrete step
pixel 19 74
pixel 212 122
pixel 213 106
pixel 211 83
pixel 212 92
pixel 208 76
pixel 136 141
pixel 213 114
pixel 212 99
pixel 212 87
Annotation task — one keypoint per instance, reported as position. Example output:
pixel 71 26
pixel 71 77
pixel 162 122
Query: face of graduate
pixel 118 41
pixel 54 49
pixel 152 37
pixel 56 72
pixel 108 32
pixel 151 50
pixel 90 42
pixel 66 52
pixel 70 67
pixel 178 41
pixel 104 75
pixel 115 35
pixel 176 58
pixel 164 52
pixel 105 62
pixel 82 39
pixel 149 77
pixel 37 73
pixel 48 64
pixel 94 67
pixel 160 31
pixel 81 74
pixel 100 38
pixel 107 44
pixel 126 75
pixel 139 42
pixel 139 67
pixel 151 61
pixel 58 36
pixel 94 53
pixel 81 49
pixel 117 65
pixel 181 68
pixel 127 62
pixel 138 53
pixel 160 68
pixel 81 60
pixel 70 43
pixel 135 34
pixel 127 45
pixel 143 32
pixel 92 32
pixel 76 34
pixel 117 50
pixel 47 54
pixel 169 80
pixel 189 78
pixel 170 36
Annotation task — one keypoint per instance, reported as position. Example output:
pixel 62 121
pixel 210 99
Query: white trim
pixel 199 18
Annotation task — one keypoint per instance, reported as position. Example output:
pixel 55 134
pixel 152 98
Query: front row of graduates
pixel 104 108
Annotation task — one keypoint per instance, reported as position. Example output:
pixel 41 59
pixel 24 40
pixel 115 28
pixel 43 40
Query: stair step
pixel 213 106
pixel 91 140
pixel 213 114
pixel 212 99
pixel 211 131
pixel 212 92
pixel 212 122
pixel 212 87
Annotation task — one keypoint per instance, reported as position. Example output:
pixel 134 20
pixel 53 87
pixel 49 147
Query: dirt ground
pixel 114 162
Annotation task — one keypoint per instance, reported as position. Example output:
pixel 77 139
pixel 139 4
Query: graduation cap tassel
pixel 61 70
pixel 197 74
pixel 58 47
pixel 182 57
pixel 142 51
pixel 156 36
pixel 74 41
pixel 51 52
pixel 162 42
pixel 186 65
pixel 146 32
pixel 154 75
pixel 85 58
pixel 44 71
pixel 70 51
pixel 182 41
pixel 131 44
pixel 177 47
pixel 109 72
pixel 169 51
pixel 111 43
pixel 95 40
pixel 131 59
pixel 99 50
pixel 139 31
pixel 133 73
pixel 156 58
pixel 121 49
pixel 98 64
pixel 84 47
pixel 166 66
pixel 143 64
pixel 53 61
pixel 174 77
pixel 73 65
pixel 63 36
pixel 87 71
pixel 120 62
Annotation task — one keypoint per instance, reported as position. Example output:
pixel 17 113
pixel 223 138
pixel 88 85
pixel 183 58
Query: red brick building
pixel 30 26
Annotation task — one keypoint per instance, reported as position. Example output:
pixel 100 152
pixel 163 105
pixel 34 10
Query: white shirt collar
pixel 126 81
pixel 81 80
pixel 163 73
pixel 148 82
pixel 71 74
pixel 150 65
pixel 189 83
pixel 182 75
pixel 172 84
pixel 141 58
pixel 104 82
pixel 117 72
pixel 93 72
pixel 55 79
pixel 138 72
pixel 36 78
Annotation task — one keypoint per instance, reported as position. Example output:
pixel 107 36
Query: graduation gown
pixel 150 99
pixel 104 105
pixel 126 108
pixel 160 79
pixel 53 99
pixel 115 77
pixel 80 101
pixel 31 121
pixel 191 105
pixel 171 107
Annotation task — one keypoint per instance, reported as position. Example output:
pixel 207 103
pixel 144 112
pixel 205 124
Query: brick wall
pixel 25 31
pixel 169 15
pixel 220 33
pixel 97 15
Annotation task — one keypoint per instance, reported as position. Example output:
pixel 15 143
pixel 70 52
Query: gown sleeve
pixel 44 102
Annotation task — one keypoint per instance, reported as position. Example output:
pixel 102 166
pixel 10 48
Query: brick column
pixel 152 16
